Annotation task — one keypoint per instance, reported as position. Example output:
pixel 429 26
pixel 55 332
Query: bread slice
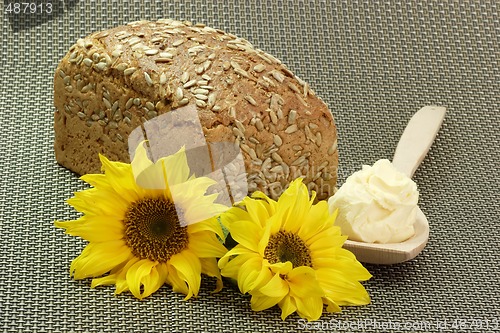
pixel 113 81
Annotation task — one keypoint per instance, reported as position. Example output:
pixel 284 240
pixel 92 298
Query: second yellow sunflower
pixel 290 254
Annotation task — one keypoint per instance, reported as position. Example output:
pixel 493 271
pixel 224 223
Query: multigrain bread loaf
pixel 113 81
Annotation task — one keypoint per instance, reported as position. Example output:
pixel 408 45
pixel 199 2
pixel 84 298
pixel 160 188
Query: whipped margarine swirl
pixel 377 204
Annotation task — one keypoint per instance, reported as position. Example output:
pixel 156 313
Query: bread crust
pixel 113 81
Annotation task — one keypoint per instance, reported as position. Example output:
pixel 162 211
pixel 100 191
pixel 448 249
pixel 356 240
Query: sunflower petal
pixel 246 233
pixel 145 174
pixel 120 274
pixel 140 275
pixel 193 188
pixel 115 274
pixel 294 204
pixel 331 305
pixel 96 202
pixel 264 276
pixel 258 210
pixel 303 283
pixel 264 241
pixel 351 269
pixel 120 177
pixel 309 307
pixel 205 245
pixel 248 273
pixel 327 238
pixel 230 266
pixel 208 225
pixel 276 287
pixel 153 281
pixel 317 219
pixel 341 288
pixel 287 305
pixel 235 252
pixel 176 167
pixel 201 209
pixel 270 204
pixel 94 228
pixel 177 283
pixel 233 214
pixel 282 268
pixel 99 258
pixel 103 281
pixel 152 178
pixel 209 267
pixel 188 267
pixel 260 303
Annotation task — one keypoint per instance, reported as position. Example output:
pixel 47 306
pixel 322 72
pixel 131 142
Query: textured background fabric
pixel 374 63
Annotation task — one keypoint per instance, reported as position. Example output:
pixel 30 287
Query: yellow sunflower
pixel 290 253
pixel 147 224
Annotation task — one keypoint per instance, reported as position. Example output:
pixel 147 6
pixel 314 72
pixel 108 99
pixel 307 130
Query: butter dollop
pixel 377 204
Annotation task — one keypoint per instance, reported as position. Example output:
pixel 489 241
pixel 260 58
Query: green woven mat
pixel 374 63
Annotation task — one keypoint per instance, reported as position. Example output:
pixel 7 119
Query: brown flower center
pixel 153 231
pixel 286 246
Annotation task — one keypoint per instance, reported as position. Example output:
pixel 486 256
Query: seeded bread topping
pixel 113 81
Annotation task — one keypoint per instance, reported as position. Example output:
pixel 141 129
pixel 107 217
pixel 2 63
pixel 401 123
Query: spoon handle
pixel 417 138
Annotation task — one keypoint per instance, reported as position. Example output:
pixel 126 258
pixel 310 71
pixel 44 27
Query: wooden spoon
pixel 414 144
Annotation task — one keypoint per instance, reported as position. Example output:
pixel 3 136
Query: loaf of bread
pixel 113 81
